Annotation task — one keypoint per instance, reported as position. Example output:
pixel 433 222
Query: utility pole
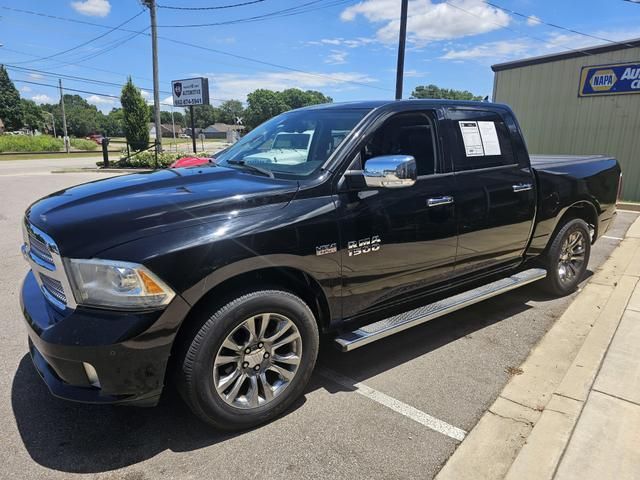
pixel 64 118
pixel 151 4
pixel 401 44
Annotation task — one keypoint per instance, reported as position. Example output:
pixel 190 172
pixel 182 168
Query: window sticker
pixel 489 137
pixel 471 138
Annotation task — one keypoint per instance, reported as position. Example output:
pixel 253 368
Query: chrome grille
pixel 39 248
pixel 43 256
pixel 54 288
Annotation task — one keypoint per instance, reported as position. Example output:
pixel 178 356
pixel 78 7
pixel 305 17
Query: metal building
pixel 579 102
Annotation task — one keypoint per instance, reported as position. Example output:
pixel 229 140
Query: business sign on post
pixel 192 91
pixel 614 79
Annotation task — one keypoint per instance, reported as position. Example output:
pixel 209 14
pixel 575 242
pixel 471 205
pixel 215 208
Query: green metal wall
pixel 555 120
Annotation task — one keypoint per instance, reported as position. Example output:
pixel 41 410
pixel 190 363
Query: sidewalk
pixel 574 413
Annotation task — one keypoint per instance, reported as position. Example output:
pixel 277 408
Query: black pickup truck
pixel 354 221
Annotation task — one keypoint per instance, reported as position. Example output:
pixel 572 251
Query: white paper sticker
pixel 471 138
pixel 489 138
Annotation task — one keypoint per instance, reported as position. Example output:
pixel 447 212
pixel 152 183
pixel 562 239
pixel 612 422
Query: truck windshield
pixel 294 144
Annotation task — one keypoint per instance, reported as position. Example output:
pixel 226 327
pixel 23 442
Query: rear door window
pixel 482 140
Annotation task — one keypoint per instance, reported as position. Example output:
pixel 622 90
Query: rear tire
pixel 250 360
pixel 567 258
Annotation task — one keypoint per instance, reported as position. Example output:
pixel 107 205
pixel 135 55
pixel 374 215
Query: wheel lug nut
pixel 245 364
pixel 260 345
pixel 266 354
pixel 256 368
pixel 247 350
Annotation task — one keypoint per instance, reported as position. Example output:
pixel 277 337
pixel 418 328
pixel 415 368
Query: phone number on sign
pixel 187 101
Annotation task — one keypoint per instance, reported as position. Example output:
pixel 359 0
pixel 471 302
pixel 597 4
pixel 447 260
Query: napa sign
pixel 615 79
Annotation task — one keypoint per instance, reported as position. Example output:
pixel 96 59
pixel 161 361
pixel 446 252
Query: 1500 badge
pixel 365 245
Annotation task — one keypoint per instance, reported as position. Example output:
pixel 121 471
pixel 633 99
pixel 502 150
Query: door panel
pixel 494 191
pixel 494 221
pixel 417 242
pixel 408 235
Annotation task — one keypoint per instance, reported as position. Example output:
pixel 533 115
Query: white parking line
pixel 395 405
pixel 612 238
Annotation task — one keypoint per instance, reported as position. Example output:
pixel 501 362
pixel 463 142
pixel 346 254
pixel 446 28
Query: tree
pixel 296 98
pixel 10 111
pixel 112 124
pixel 263 105
pixel 82 117
pixel 32 116
pixel 178 118
pixel 433 91
pixel 230 110
pixel 203 115
pixel 136 126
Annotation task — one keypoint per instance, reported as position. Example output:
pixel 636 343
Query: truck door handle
pixel 522 187
pixel 436 201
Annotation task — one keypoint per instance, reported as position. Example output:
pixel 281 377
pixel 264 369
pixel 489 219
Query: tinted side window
pixel 405 134
pixel 482 138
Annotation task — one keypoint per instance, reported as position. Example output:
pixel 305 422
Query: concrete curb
pixel 525 431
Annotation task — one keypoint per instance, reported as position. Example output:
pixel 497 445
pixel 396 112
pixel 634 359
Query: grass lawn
pixel 40 156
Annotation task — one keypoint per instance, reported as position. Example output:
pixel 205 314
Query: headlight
pixel 122 285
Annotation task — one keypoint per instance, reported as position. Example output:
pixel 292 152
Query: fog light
pixel 92 375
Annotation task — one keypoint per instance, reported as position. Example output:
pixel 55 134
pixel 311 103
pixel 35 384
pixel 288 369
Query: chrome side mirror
pixel 390 171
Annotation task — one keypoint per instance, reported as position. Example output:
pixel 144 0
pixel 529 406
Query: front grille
pixel 54 288
pixel 39 248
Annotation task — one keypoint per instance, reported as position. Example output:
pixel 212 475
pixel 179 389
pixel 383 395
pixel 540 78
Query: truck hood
pixel 89 218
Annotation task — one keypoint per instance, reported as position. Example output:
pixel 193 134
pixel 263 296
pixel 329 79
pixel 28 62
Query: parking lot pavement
pixel 371 413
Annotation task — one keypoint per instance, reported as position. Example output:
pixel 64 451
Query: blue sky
pixel 346 49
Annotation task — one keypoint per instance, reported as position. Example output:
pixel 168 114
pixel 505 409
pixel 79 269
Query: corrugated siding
pixel 555 120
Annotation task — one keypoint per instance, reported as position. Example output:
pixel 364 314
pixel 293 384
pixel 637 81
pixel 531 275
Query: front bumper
pixel 129 351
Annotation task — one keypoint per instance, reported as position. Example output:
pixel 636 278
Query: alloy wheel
pixel 257 361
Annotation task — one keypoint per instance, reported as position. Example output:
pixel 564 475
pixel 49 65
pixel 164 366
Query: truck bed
pixel 549 161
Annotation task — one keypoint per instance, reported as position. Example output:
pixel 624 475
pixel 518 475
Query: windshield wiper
pixel 250 166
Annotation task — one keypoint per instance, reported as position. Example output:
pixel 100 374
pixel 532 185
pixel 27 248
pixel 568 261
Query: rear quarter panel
pixel 568 182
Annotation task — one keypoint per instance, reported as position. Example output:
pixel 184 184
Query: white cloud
pixel 532 21
pixel 92 8
pixel 428 21
pixel 42 98
pixel 99 100
pixel 343 42
pixel 35 76
pixel 232 85
pixel 490 50
pixel 167 101
pixel 25 89
pixel 523 47
pixel 337 57
pixel 414 74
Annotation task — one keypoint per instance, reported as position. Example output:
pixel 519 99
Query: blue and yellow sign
pixel 613 79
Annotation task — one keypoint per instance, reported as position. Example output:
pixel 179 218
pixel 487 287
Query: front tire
pixel 250 360
pixel 568 257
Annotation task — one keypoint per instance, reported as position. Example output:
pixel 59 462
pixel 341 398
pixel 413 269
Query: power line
pixel 542 40
pixel 220 7
pixel 286 12
pixel 111 30
pixel 200 47
pixel 553 25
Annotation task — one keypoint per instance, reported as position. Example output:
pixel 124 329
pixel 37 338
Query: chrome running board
pixel 375 331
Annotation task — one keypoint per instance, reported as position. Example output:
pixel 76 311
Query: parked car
pixel 183 135
pixel 190 162
pixel 96 138
pixel 219 280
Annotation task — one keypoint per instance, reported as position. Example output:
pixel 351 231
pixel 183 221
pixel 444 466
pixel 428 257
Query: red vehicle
pixel 96 138
pixel 191 162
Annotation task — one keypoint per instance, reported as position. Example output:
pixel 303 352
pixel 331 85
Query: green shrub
pixel 26 143
pixel 147 159
pixel 82 144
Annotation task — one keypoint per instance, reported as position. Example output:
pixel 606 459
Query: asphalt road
pixel 449 370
